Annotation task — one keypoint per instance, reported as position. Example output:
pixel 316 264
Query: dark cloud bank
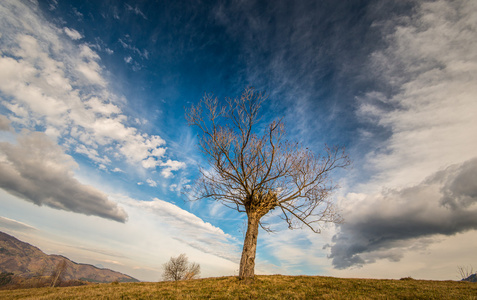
pixel 37 170
pixel 388 224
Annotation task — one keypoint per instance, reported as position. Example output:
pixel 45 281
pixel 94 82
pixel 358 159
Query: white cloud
pixel 171 165
pixel 144 148
pixel 151 182
pixel 183 183
pixel 89 66
pixel 92 154
pixel 72 33
pixel 98 106
pixel 25 83
pixel 150 163
pixel 53 83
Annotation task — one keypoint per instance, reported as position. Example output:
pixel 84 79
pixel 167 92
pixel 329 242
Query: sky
pixel 95 150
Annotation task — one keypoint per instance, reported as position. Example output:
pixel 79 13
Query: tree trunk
pixel 247 262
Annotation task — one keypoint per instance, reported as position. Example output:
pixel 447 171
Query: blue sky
pixel 95 149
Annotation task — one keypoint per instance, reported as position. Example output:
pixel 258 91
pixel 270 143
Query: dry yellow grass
pixel 263 287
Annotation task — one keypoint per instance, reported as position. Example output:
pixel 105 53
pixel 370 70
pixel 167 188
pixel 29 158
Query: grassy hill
pixel 264 287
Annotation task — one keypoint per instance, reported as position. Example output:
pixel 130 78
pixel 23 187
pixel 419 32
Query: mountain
pixel 471 278
pixel 28 261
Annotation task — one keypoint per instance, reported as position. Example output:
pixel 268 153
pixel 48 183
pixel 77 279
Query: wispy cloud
pixel 135 50
pixel 53 4
pixel 297 53
pixel 73 34
pixel 135 10
pixel 15 225
pixel 77 13
pixel 117 170
pixel 192 230
pixel 183 183
pixel 429 72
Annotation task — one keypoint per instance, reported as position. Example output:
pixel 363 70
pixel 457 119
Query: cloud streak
pixel 305 55
pixel 72 33
pixel 192 230
pixel 15 225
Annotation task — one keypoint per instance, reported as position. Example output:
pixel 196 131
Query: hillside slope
pixel 263 287
pixel 471 278
pixel 25 260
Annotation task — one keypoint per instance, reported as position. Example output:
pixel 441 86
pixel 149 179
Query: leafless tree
pixel 179 268
pixel 59 270
pixel 465 271
pixel 254 169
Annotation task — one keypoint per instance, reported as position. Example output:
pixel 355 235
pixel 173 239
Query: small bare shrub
pixel 179 268
pixel 465 271
pixel 407 278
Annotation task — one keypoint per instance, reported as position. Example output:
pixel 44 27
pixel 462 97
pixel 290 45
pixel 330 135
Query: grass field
pixel 263 287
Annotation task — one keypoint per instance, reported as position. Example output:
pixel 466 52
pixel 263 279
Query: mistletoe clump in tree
pixel 254 169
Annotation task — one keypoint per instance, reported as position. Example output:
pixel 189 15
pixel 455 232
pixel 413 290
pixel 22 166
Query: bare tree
pixel 59 270
pixel 254 169
pixel 179 268
pixel 465 271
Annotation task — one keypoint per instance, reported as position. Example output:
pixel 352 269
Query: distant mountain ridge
pixel 25 260
pixel 471 278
